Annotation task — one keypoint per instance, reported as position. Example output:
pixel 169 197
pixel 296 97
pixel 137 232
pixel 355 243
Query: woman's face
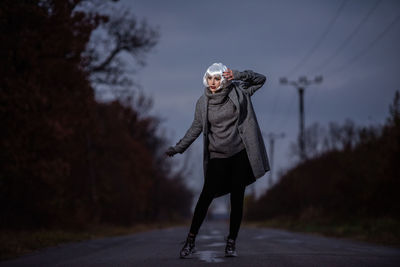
pixel 214 82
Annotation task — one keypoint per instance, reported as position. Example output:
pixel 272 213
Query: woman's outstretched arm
pixel 191 134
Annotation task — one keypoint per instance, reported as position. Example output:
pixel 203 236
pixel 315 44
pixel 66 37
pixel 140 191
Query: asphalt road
pixel 255 246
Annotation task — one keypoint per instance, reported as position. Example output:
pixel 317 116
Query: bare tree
pixel 116 49
pixel 314 136
pixel 349 134
pixel 332 141
pixel 394 110
pixel 341 136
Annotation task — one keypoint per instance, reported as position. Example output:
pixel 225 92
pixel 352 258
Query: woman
pixel 234 150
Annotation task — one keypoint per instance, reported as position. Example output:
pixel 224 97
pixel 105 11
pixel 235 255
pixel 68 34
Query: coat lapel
pixel 233 96
pixel 205 117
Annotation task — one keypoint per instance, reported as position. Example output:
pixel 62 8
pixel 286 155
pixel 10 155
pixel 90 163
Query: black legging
pixel 224 176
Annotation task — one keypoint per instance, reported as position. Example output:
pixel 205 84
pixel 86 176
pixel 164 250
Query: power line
pixel 311 52
pixel 369 46
pixel 329 59
pixel 319 41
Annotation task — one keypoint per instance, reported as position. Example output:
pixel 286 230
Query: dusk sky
pixel 354 44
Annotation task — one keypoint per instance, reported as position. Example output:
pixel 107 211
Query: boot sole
pixel 231 255
pixel 188 256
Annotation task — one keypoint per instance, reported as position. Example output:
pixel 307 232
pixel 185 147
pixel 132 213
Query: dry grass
pixel 384 231
pixel 16 243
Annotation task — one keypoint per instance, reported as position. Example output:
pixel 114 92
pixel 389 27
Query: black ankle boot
pixel 230 249
pixel 189 246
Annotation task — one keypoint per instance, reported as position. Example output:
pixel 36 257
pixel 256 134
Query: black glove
pixel 170 151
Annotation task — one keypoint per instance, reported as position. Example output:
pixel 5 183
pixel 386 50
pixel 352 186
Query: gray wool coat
pixel 244 86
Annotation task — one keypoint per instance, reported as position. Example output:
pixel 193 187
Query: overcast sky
pixel 354 44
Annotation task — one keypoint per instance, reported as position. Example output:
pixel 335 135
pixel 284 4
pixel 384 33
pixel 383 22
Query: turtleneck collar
pixel 219 96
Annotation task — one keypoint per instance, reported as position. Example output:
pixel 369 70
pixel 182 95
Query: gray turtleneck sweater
pixel 224 138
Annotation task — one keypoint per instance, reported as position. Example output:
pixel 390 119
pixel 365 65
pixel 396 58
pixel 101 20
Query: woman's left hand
pixel 228 74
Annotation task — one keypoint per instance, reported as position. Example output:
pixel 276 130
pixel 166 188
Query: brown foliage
pixel 67 160
pixel 357 181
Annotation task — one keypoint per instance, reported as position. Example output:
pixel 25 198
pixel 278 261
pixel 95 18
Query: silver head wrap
pixel 216 69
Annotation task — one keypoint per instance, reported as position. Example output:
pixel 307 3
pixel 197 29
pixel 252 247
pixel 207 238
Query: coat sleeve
pixel 251 81
pixel 192 133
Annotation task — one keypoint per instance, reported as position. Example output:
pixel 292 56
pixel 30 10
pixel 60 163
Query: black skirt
pixel 224 174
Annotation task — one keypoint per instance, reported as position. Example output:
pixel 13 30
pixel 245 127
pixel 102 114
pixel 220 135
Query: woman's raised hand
pixel 228 74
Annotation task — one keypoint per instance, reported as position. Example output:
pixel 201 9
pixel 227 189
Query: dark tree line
pixel 356 175
pixel 319 140
pixel 65 159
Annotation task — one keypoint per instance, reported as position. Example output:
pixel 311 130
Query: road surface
pixel 255 246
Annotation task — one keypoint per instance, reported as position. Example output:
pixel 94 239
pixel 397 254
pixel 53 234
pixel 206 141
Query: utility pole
pixel 272 137
pixel 301 84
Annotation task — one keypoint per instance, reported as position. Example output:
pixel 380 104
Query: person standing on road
pixel 234 150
